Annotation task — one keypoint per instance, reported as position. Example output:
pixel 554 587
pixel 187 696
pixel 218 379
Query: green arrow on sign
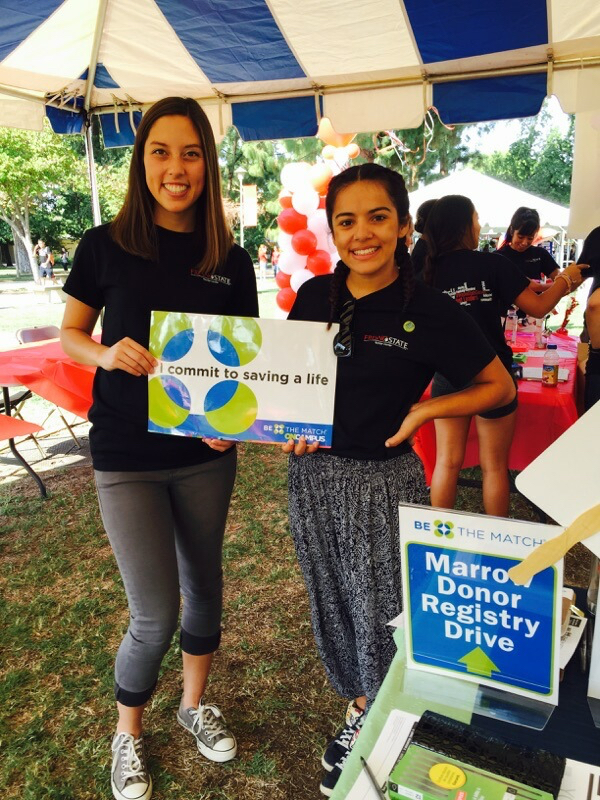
pixel 478 662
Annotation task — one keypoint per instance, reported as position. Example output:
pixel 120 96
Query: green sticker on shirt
pixel 409 326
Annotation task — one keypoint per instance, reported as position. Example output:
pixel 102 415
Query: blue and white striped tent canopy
pixel 272 67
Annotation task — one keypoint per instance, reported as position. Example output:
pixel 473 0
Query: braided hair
pixel 448 225
pixel 394 185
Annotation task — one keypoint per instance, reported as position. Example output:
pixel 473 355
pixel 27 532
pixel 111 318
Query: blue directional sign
pixel 466 616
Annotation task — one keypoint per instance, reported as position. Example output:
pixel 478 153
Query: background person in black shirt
pixel 164 499
pixel 590 255
pixel 420 249
pixel 534 262
pixel 485 285
pixel 343 502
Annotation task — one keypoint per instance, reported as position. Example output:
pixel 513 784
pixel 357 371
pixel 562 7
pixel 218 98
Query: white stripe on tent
pixel 333 39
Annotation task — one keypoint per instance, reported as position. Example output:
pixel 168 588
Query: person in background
pixel 484 284
pixel 419 251
pixel 64 258
pixel 164 499
pixel 591 255
pixel 45 262
pixel 262 261
pixel 343 502
pixel 275 259
pixel 534 262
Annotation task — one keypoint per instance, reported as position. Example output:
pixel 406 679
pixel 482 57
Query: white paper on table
pixel 570 639
pixel 397 622
pixel 388 747
pixel 580 782
pixel 563 480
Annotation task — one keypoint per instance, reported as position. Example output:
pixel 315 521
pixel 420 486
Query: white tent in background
pixel 494 200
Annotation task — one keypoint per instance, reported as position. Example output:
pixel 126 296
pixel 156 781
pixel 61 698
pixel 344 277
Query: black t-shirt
pixel 395 354
pixel 484 285
pixel 533 262
pixel 591 255
pixel 418 258
pixel 129 288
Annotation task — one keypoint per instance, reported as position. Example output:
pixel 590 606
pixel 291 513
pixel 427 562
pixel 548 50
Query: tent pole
pixel 89 151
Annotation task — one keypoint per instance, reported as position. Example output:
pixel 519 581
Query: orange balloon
pixel 328 135
pixel 320 175
pixel 353 150
pixel 328 151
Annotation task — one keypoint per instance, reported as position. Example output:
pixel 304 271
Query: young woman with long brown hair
pixel 163 499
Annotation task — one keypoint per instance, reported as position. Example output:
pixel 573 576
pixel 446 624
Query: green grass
pixel 63 611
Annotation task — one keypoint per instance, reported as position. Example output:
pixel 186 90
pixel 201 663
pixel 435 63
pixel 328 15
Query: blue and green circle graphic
pixel 172 335
pixel 234 341
pixel 444 529
pixel 230 407
pixel 169 401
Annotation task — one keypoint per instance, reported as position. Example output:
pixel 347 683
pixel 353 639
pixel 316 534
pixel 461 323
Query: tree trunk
pixel 26 262
pixel 24 269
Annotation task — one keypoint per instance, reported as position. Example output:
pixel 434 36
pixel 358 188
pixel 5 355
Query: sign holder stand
pixel 467 622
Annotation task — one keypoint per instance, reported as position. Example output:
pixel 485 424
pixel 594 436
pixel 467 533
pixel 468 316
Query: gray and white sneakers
pixel 129 777
pixel 206 723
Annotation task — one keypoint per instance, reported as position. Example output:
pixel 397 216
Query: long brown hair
pixel 133 228
pixel 449 222
pixel 394 185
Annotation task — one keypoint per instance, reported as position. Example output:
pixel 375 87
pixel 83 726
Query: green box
pixel 422 774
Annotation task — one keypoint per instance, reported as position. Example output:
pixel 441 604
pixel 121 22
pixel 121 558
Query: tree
pixel 35 168
pixel 539 161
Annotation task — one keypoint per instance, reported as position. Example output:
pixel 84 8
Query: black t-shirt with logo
pixel 394 356
pixel 129 288
pixel 485 285
pixel 591 255
pixel 533 262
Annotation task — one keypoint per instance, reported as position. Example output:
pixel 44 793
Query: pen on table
pixel 372 780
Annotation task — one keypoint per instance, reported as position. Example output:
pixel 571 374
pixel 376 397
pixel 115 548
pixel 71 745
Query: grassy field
pixel 63 611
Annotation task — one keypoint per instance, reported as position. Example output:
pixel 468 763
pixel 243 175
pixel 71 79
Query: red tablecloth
pixel 543 414
pixel 10 427
pixel 45 368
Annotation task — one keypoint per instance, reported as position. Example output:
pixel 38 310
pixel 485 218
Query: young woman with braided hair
pixel 394 334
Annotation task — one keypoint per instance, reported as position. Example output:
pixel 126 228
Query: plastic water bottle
pixel 550 366
pixel 539 333
pixel 510 329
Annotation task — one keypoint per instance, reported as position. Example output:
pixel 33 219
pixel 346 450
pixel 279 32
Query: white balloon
pixel 293 176
pixel 305 201
pixel 285 240
pixel 300 277
pixel 290 261
pixel 317 222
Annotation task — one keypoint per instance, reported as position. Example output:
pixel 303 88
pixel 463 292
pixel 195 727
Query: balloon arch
pixel 305 241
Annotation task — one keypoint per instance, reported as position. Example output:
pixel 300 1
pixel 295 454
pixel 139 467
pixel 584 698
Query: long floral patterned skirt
pixel 344 522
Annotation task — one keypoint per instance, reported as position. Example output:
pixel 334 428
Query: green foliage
pixel 540 161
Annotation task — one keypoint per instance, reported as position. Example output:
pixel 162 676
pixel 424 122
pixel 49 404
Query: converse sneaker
pixel 129 777
pixel 331 777
pixel 341 744
pixel 215 741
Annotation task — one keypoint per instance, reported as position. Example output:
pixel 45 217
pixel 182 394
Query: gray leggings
pixel 166 530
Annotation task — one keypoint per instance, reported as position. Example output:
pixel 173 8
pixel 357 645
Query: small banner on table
pixel 464 616
pixel 241 378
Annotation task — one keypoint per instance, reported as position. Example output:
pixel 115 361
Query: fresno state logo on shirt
pixel 386 341
pixel 218 279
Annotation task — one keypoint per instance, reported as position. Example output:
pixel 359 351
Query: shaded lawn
pixel 63 612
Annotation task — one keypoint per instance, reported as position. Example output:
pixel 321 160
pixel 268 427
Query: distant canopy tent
pixel 273 68
pixel 494 200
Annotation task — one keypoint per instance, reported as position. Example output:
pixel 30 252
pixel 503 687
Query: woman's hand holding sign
pixel 300 447
pixel 129 356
